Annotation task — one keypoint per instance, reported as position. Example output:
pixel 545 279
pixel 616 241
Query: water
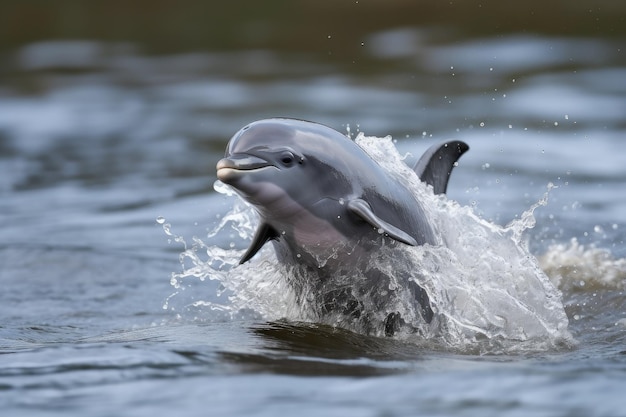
pixel 107 139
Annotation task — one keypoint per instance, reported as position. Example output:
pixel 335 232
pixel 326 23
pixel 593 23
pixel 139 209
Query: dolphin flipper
pixel 264 233
pixel 364 211
pixel 435 166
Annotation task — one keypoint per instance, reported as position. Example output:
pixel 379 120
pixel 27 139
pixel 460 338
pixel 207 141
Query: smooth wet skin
pixel 326 205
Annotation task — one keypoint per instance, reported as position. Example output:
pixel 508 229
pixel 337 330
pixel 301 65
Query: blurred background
pixel 117 106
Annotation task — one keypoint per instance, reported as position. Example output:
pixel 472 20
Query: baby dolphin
pixel 328 207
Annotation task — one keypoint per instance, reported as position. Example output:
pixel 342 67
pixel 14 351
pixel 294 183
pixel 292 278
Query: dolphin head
pixel 283 165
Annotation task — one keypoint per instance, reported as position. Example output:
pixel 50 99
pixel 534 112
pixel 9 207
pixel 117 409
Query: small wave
pixel 579 268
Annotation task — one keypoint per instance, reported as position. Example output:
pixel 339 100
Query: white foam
pixel 575 267
pixel 483 280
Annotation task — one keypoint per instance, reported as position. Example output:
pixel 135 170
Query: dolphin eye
pixel 287 158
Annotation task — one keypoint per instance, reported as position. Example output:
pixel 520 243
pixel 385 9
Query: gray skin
pixel 327 206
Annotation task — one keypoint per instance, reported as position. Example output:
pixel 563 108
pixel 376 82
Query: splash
pixel 482 278
pixel 255 290
pixel 579 268
pixel 486 289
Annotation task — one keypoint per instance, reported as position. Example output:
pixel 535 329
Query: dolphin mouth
pixel 234 165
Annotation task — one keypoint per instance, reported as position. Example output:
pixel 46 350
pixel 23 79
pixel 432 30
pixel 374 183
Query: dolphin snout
pixel 224 163
pixel 233 167
pixel 242 162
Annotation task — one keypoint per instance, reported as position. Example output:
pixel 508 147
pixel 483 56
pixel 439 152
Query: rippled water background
pixel 113 114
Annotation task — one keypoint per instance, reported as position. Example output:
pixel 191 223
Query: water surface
pixel 104 130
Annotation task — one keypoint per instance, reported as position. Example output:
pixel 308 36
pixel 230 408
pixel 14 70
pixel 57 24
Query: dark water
pixel 113 115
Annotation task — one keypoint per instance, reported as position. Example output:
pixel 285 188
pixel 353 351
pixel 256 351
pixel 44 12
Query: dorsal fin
pixel 435 166
pixel 264 233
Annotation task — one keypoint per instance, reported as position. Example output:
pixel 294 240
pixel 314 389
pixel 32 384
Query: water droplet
pixel 160 220
pixel 482 124
pixel 566 117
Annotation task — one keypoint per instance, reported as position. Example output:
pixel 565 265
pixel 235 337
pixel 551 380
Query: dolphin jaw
pixel 242 162
pixel 235 166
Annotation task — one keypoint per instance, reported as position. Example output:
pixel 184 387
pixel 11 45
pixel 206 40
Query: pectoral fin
pixel 435 166
pixel 364 211
pixel 263 234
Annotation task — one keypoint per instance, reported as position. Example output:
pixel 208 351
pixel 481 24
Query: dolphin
pixel 328 207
